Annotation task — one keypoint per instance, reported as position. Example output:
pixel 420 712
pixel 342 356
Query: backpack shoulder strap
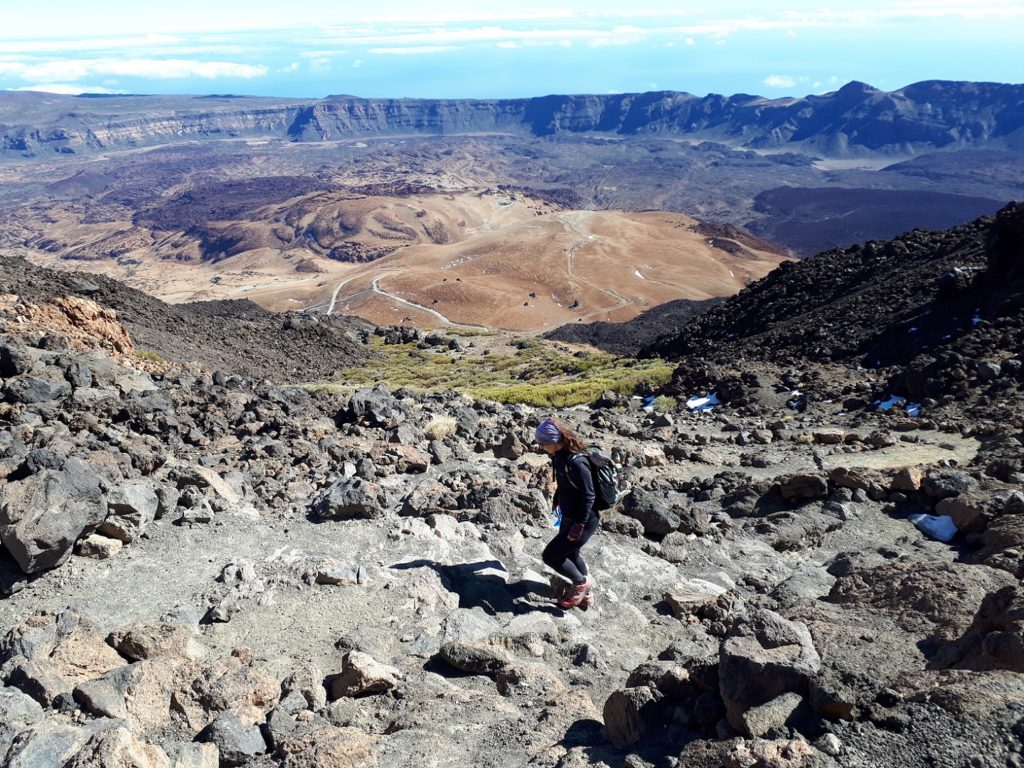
pixel 571 459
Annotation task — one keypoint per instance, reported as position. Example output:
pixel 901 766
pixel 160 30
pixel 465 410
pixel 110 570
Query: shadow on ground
pixel 484 585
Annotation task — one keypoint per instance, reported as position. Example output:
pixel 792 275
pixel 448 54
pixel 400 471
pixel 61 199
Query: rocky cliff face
pixel 856 119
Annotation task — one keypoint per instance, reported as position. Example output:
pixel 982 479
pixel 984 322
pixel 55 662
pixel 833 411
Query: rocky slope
pixel 646 328
pixel 263 576
pixel 857 119
pixel 233 335
pixel 940 311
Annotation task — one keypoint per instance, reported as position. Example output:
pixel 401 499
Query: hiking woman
pixel 575 496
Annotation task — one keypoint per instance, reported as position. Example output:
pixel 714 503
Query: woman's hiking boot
pixel 575 594
pixel 588 598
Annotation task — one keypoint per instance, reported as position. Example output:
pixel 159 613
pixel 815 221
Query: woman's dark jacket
pixel 575 486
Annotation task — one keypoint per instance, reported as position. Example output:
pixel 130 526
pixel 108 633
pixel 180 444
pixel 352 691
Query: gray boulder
pixel 237 742
pixel 350 498
pixel 18 712
pixel 42 516
pixel 771 716
pixel 629 715
pixel 46 744
pixel 652 511
pixel 473 643
pixel 34 389
pixel 377 407
pixel 361 674
pixel 803 487
pixel 131 507
pixel 943 485
pixel 15 358
pixel 763 657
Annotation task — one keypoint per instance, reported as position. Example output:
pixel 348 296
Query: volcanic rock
pixel 763 657
pixel 42 516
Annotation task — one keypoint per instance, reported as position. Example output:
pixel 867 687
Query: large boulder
pixel 15 359
pixel 995 639
pixel 118 748
pixel 763 657
pixel 376 407
pixel 629 715
pixel 139 693
pixel 226 684
pixel 236 742
pixel 804 487
pixel 51 743
pixel 327 746
pixel 653 512
pixel 351 498
pixel 361 674
pixel 132 506
pixel 18 713
pixel 157 640
pixel 51 653
pixel 33 390
pixel 1003 544
pixel 972 510
pixel 43 515
pixel 473 642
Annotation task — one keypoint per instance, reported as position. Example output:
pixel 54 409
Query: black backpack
pixel 606 479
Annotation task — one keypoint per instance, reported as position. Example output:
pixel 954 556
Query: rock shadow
pixel 489 591
pixel 591 736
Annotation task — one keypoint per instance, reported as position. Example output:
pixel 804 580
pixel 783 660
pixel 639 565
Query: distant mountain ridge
pixel 855 120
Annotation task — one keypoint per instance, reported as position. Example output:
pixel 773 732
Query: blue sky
pixel 483 49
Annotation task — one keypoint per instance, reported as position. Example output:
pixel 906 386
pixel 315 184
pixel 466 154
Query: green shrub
pixel 537 373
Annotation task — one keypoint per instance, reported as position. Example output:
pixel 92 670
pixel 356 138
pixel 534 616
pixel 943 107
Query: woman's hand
pixel 576 532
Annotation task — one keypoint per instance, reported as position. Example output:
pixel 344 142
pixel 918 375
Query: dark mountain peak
pixel 857 88
pixel 880 303
pixel 850 96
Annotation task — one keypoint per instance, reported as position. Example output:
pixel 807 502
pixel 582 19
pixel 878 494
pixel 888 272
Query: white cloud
pixel 414 50
pixel 357 64
pixel 423 36
pixel 82 45
pixel 779 81
pixel 66 89
pixel 197 17
pixel 158 69
pixel 321 54
pixel 293 67
pixel 508 44
pixel 626 35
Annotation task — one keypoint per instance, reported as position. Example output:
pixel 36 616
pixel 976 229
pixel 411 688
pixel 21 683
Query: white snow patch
pixel 637 273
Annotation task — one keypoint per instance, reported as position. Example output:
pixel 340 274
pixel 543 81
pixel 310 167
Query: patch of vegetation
pixel 439 427
pixel 149 354
pixel 535 373
pixel 666 404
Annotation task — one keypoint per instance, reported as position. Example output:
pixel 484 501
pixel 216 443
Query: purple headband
pixel 547 433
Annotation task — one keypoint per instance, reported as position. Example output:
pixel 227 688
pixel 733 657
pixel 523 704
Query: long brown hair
pixel 571 441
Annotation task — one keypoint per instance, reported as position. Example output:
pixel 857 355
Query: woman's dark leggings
pixel 563 555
